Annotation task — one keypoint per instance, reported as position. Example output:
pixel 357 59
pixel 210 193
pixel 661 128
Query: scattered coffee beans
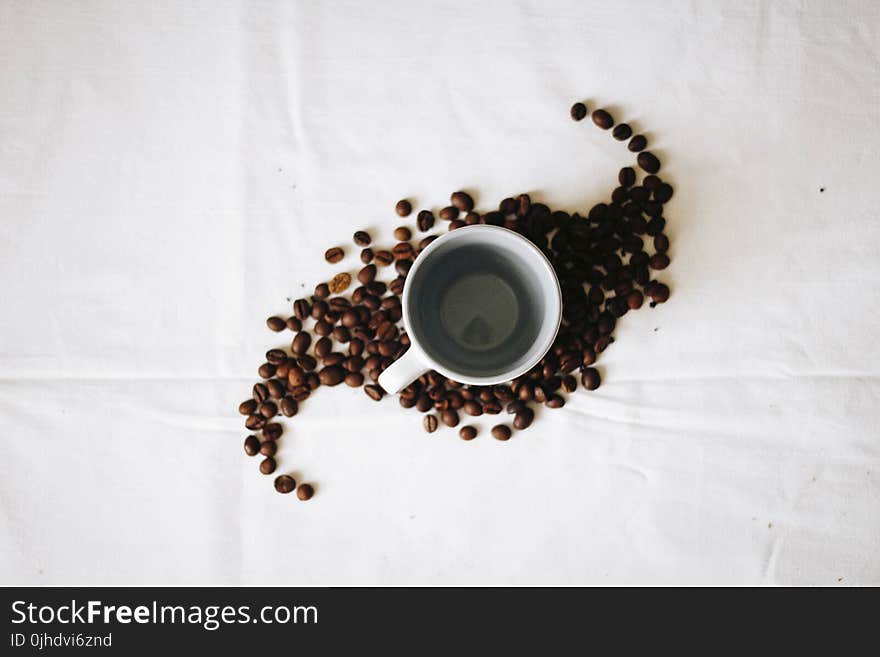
pixel 501 432
pixel 430 423
pixel 305 492
pixel 251 445
pixel 602 119
pixel 403 208
pixel 285 484
pixel 361 238
pixel 340 283
pixel 267 465
pixel 467 432
pixel 275 324
pixel 334 255
pixel 402 234
pixel 578 111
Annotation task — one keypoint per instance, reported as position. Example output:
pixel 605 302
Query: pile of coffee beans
pixel 604 261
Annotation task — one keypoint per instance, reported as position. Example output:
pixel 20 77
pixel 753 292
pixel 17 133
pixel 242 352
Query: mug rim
pixel 480 380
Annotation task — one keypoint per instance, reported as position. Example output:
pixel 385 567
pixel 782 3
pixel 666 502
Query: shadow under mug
pixel 481 305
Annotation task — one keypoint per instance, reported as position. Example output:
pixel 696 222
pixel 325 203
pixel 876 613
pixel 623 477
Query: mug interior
pixel 483 304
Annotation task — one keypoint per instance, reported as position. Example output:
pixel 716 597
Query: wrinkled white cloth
pixel 171 174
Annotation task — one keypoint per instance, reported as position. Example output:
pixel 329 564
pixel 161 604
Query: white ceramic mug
pixel 481 305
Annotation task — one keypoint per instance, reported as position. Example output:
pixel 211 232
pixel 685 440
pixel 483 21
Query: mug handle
pixel 403 371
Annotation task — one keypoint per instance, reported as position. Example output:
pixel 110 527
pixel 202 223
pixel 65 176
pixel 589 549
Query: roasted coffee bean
pixel 275 324
pixel 424 403
pixel 501 432
pixel 248 407
pixel 266 371
pixel 526 392
pixel 268 448
pixel 334 254
pixel 590 378
pixel 622 131
pixel 655 226
pixel 289 407
pixel 323 347
pixel 384 258
pixel 362 238
pixel 503 393
pixel 339 283
pixel 367 256
pixel 367 274
pixel 523 419
pixel 619 195
pixel 305 492
pixel 492 407
pixel 267 465
pixel 403 251
pixel 455 224
pixel 430 423
pixel 355 347
pixel 323 327
pixel 334 358
pixel 293 324
pixel 658 292
pixel 524 204
pixel 251 445
pixel 493 219
pixel 569 383
pixel 589 355
pixel 406 402
pixel 425 220
pixel 516 406
pixel 260 393
pixel 652 183
pixel 276 356
pixel 322 291
pixel 634 301
pixel 627 178
pixel 578 111
pixel 403 266
pixel 268 409
pixel 462 201
pixel 386 331
pixel 285 484
pixel 313 381
pixel 354 379
pixel 449 417
pixel 449 213
pixel 659 261
pixel 402 234
pixel 471 219
pixel 555 401
pixel 319 309
pixel 353 364
pixel 272 431
pixel 301 309
pixel 661 243
pixel 539 394
pixel 300 393
pixel 301 343
pixel 602 119
pixel 473 408
pixel 648 161
pixel 637 143
pixel 350 318
pixel 255 422
pixel 467 432
pixel 403 208
pixel 374 392
pixel 663 193
pixel 602 343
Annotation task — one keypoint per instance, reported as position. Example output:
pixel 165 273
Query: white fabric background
pixel 170 173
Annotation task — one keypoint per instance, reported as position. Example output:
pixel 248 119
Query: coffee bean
pixel 367 274
pixel 471 219
pixel 578 111
pixel 637 143
pixel 272 431
pixel 462 201
pixel 251 445
pixel 285 484
pixel 396 286
pixel 334 254
pixel 300 393
pixel 268 448
pixel 472 407
pixel 501 432
pixel 455 224
pixel 322 291
pixel 301 309
pixel 569 383
pixel 367 256
pixel 384 258
pixel 276 356
pixel 255 422
pixel 289 407
pixel 539 394
pixel 323 347
pixel 430 423
pixel 656 226
pixel 305 492
pixel 247 407
pixel 659 261
pixel 661 243
pixel 354 379
pixel 627 177
pixel 467 432
pixel 403 208
pixel 260 393
pixel 362 238
pixel 648 161
pixel 449 213
pixel 602 119
pixel 323 328
pixel 602 343
pixel 590 378
pixel 658 292
pixel 332 375
pixel 266 371
pixel 339 283
pixel 301 343
pixel 402 234
pixel 492 407
pixel 555 401
pixel 403 251
pixel 621 132
pixel 293 324
pixel 319 309
pixel 406 402
pixel 275 324
pixel 425 220
pixel 267 465
pixel 523 419
pixel 526 392
pixel 516 406
pixel 374 392
pixel 493 219
pixel 313 381
pixel 652 183
pixel 402 267
pixel 663 193
pixel 449 417
pixel 634 300
pixel 268 409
